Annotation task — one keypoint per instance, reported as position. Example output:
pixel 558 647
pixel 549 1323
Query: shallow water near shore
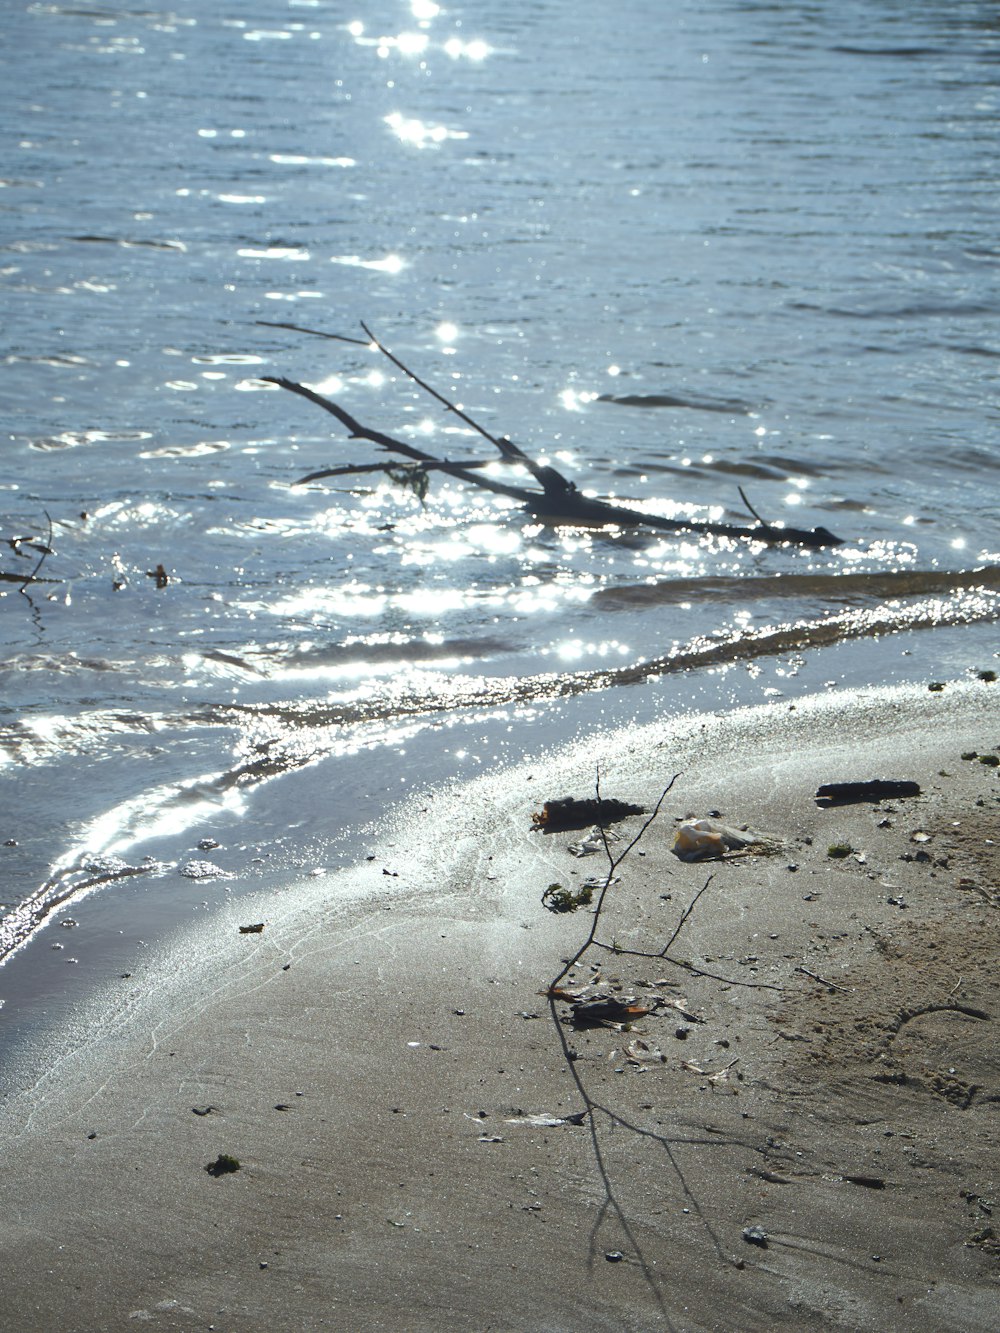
pixel 676 251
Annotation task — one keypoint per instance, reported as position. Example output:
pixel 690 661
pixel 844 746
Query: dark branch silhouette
pixel 558 500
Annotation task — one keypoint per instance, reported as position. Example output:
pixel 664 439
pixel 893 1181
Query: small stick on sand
pixel 816 977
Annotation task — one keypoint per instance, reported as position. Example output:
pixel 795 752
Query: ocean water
pixel 679 251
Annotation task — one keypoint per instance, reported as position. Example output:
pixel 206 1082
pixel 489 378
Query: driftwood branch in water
pixel 558 500
pixel 354 469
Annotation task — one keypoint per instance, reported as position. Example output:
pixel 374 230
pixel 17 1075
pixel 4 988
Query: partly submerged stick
pixel 46 551
pixel 559 500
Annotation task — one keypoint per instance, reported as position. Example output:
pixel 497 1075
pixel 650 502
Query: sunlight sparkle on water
pixel 408 129
pixel 575 401
pixel 351 599
pixel 474 50
pixel 424 9
pixel 446 332
pixel 332 384
pixel 390 264
pixel 411 43
pixel 273 252
pixel 301 160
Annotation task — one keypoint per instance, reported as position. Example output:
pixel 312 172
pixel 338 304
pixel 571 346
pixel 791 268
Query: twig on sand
pixel 823 981
pixel 667 1143
pixel 613 863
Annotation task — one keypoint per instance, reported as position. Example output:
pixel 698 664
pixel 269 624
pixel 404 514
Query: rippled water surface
pixel 675 250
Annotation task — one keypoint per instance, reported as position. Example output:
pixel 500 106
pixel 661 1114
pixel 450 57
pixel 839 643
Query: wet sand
pixel 801 1133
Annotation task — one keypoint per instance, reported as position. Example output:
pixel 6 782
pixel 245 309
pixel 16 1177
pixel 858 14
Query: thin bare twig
pixel 356 469
pixel 615 862
pixel 548 476
pixel 823 981
pixel 612 1206
pixel 46 552
pixel 685 914
pixel 316 333
pixel 684 963
pixel 743 496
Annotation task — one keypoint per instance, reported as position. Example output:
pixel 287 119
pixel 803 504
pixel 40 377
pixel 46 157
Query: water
pixel 674 249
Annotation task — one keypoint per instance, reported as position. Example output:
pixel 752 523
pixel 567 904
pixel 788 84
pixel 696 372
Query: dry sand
pixel 381 1062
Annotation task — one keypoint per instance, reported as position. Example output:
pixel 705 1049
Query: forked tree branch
pixel 558 500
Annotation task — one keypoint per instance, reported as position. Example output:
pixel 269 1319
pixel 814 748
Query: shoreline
pixel 381 1063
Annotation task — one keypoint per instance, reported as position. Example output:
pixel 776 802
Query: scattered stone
pixel 756 1236
pixel 225 1164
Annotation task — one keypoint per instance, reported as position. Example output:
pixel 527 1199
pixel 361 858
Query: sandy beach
pixel 791 1125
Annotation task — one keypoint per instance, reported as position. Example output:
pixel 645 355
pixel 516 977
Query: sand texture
pixel 800 1132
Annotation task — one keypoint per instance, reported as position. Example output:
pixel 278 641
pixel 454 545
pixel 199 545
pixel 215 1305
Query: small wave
pixel 69 885
pixel 199 450
pixel 98 859
pixel 53 360
pixel 649 400
pixel 843 589
pixel 977 349
pixel 890 52
pixel 73 439
pixel 129 243
pixel 920 310
pixel 950 605
pixel 37 740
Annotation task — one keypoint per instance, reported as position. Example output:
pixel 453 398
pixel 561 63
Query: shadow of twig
pixel 611 1203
